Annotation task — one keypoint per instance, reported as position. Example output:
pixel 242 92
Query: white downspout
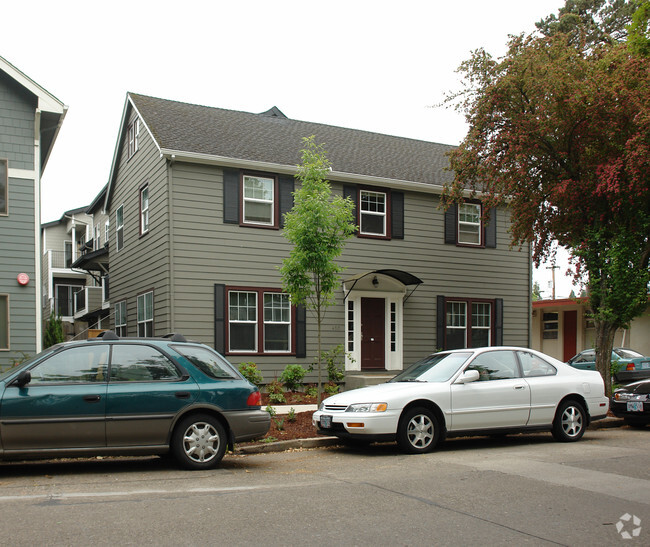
pixel 37 232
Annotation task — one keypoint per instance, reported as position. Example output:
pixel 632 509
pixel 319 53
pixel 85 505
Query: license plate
pixel 645 364
pixel 325 421
pixel 635 406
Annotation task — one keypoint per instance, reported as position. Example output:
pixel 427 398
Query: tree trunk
pixel 604 342
pixel 320 379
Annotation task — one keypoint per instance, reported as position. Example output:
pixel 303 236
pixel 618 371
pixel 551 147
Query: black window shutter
pixel 231 196
pixel 451 224
pixel 397 215
pixel 491 229
pixel 285 189
pixel 351 192
pixel 220 318
pixel 498 322
pixel 440 322
pixel 301 331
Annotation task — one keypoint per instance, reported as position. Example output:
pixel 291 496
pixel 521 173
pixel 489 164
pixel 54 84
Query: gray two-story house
pixel 196 198
pixel 30 118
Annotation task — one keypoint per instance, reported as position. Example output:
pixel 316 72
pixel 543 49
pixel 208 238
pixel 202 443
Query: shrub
pixel 292 415
pixel 276 392
pixel 53 332
pixel 292 376
pixel 334 360
pixel 331 388
pixel 251 373
pixel 311 390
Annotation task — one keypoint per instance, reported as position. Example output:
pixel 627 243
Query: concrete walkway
pixel 285 409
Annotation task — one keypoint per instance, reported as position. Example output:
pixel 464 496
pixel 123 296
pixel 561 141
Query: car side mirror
pixel 22 379
pixel 467 377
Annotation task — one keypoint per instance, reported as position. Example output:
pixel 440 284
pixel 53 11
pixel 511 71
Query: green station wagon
pixel 126 396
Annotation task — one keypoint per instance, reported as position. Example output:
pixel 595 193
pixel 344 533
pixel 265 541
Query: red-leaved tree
pixel 561 133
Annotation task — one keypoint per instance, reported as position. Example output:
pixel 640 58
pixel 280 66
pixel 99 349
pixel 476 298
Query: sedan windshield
pixel 439 367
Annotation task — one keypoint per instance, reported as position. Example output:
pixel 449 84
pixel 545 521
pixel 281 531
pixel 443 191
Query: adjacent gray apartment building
pixel 30 118
pixel 196 198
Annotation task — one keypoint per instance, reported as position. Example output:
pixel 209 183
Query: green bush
pixel 53 332
pixel 292 377
pixel 334 361
pixel 331 388
pixel 251 373
pixel 276 392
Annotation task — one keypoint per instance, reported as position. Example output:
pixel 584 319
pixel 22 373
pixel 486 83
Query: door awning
pixel 403 277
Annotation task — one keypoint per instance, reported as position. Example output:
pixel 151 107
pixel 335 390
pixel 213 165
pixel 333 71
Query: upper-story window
pixel 97 237
pixel 469 224
pixel 144 210
pixel 133 134
pixel 259 200
pixel 119 227
pixel 120 318
pixel 107 232
pixel 4 184
pixel 373 213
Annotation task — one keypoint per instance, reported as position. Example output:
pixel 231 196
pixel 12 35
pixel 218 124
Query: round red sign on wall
pixel 22 278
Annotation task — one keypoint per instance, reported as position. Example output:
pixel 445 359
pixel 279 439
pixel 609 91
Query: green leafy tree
pixel 561 134
pixel 317 227
pixel 53 332
pixel 639 29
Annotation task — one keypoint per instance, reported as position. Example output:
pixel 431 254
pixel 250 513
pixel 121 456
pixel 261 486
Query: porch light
pixel 375 281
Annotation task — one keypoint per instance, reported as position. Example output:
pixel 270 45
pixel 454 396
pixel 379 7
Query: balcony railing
pixel 88 300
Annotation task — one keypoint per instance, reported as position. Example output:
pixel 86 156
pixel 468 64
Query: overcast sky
pixel 372 65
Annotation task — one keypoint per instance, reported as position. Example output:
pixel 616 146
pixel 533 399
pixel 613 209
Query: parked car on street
pixel 630 365
pixel 468 392
pixel 117 396
pixel 632 403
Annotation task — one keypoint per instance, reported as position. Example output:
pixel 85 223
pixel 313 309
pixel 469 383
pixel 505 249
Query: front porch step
pixel 362 379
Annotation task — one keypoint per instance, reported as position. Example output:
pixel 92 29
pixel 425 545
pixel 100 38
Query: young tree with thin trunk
pixel 560 132
pixel 317 226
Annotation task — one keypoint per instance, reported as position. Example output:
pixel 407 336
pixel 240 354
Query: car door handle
pixel 182 394
pixel 520 387
pixel 92 398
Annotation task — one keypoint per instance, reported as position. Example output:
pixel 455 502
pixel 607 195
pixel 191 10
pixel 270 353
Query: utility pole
pixel 553 268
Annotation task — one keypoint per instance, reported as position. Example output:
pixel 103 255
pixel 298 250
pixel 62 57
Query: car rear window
pixel 208 362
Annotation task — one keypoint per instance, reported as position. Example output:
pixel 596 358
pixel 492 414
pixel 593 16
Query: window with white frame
pixel 468 324
pixel 119 227
pixel 258 200
pixel 350 325
pixel 373 213
pixel 133 134
pixel 120 318
pixel 469 224
pixel 277 322
pixel 4 186
pixel 97 238
pixel 4 321
pixel 259 321
pixel 144 210
pixel 64 299
pixel 107 232
pixel 145 314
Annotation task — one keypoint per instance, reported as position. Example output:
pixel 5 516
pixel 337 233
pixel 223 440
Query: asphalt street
pixel 520 489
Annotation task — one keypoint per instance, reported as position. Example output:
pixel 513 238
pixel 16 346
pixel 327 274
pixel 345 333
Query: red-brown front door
pixel 373 324
pixel 570 334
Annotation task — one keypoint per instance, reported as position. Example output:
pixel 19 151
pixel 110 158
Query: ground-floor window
pixel 120 318
pixel 259 321
pixel 468 323
pixel 145 314
pixel 4 321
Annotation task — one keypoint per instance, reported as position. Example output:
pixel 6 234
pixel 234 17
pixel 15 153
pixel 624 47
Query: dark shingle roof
pixel 273 138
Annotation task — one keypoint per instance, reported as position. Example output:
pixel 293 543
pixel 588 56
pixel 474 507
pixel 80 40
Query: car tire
pixel 570 422
pixel 199 442
pixel 418 431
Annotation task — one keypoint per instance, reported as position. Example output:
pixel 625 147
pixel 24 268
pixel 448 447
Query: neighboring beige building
pixel 561 328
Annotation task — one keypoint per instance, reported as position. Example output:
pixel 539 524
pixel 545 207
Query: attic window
pixel 133 134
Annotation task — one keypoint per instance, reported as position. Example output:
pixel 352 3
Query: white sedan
pixel 468 392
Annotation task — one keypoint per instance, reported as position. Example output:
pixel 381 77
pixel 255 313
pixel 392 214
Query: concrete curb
pixel 320 442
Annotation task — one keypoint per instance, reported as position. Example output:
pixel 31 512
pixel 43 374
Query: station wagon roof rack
pixel 108 335
pixel 175 337
pixel 111 335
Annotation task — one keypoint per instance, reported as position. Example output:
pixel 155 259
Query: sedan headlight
pixel 367 407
